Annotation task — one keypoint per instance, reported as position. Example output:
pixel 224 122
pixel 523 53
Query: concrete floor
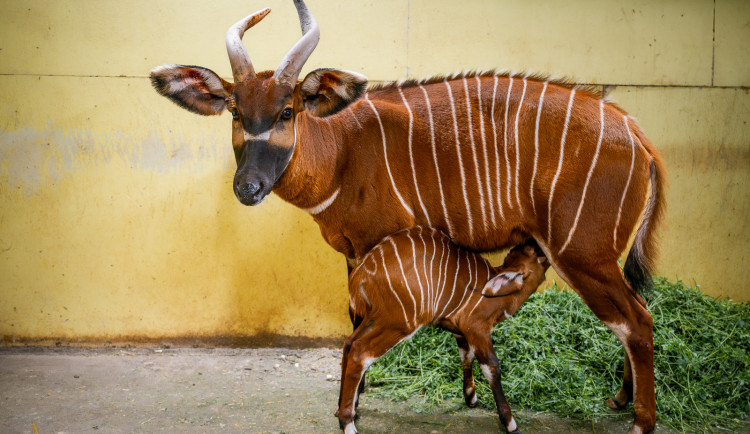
pixel 216 390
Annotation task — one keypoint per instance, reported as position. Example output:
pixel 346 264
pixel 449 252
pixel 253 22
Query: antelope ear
pixel 505 283
pixel 197 89
pixel 327 91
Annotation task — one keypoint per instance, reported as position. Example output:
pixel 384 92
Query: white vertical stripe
pixel 588 177
pixel 627 184
pixel 453 289
pixel 385 156
pixel 474 154
pixel 466 287
pixel 349 109
pixel 431 290
pixel 435 160
pixel 411 156
pixel 460 161
pixel 536 145
pixel 470 287
pixel 416 271
pixel 518 151
pixel 484 148
pixel 497 154
pixel 388 279
pixel 559 167
pixel 447 247
pixel 424 267
pixel 505 139
pixel 406 281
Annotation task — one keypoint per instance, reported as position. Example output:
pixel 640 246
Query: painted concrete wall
pixel 117 217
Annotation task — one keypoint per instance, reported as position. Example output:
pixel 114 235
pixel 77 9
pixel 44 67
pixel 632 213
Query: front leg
pixel 467 360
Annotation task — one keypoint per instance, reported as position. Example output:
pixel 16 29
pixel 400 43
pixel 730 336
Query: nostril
pixel 248 190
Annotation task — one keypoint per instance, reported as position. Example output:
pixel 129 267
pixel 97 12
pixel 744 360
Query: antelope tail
pixel 639 265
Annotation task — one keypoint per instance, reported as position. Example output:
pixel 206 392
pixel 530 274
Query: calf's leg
pixel 361 350
pixel 467 360
pixel 481 343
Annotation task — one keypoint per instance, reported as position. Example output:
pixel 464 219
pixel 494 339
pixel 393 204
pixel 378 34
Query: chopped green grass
pixel 556 356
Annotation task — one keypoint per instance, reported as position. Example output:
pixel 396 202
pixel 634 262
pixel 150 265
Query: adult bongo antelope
pixel 487 158
pixel 418 277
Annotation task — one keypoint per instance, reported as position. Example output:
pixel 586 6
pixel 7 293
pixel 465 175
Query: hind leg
pixel 467 360
pixel 605 291
pixel 623 397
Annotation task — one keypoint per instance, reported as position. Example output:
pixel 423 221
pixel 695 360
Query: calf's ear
pixel 505 283
pixel 194 88
pixel 328 91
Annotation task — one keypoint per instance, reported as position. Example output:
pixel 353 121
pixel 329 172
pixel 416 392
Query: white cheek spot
pixel 512 425
pixel 265 135
pixel 505 312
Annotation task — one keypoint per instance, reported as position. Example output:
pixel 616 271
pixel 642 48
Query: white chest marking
pixel 319 208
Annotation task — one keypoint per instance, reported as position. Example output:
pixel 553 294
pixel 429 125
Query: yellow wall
pixel 117 218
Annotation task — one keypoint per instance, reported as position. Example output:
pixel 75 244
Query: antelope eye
pixel 286 114
pixel 235 113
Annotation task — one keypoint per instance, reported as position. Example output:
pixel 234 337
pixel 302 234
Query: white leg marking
pixel 474 154
pixel 406 281
pixel 505 140
pixel 487 373
pixel 469 218
pixel 385 156
pixel 622 331
pixel 388 279
pixel 512 425
pixel 411 156
pixel 484 148
pixel 350 428
pixel 627 184
pixel 434 159
pixel 319 208
pixel 498 196
pixel 559 166
pixel 518 151
pixel 588 177
pixel 536 145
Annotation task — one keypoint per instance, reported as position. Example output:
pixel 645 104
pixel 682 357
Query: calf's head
pixel 264 106
pixel 522 270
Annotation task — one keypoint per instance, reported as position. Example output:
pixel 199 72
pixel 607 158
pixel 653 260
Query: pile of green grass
pixel 556 356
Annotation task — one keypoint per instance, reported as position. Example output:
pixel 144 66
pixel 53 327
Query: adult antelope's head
pixel 264 106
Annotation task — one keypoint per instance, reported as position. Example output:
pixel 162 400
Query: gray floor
pixel 215 390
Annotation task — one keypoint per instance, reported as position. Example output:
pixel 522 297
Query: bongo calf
pixel 417 277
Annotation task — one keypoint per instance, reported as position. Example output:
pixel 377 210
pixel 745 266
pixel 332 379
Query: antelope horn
pixel 291 66
pixel 242 67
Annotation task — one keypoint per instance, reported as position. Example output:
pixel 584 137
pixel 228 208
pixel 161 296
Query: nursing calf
pixel 418 277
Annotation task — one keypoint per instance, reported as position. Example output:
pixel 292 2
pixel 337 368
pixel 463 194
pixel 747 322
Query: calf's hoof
pixel 615 405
